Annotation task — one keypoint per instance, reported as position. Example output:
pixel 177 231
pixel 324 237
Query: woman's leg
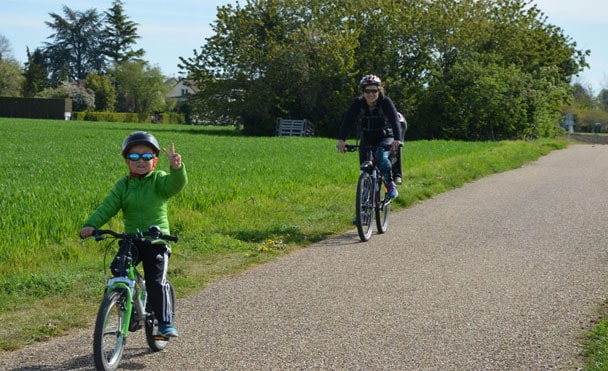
pixel 385 166
pixel 383 161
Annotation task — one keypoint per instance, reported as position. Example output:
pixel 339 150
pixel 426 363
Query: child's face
pixel 140 166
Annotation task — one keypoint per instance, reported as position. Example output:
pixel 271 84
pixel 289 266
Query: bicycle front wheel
pixel 108 341
pixel 364 207
pixel 383 209
pixel 155 340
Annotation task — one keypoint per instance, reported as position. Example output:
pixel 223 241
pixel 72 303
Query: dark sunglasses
pixel 370 91
pixel 137 156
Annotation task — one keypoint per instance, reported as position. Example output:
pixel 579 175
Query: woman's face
pixel 371 93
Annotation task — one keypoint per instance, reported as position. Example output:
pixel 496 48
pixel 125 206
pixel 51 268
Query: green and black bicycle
pixel 124 307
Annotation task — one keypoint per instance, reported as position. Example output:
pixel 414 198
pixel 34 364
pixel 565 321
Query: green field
pixel 248 200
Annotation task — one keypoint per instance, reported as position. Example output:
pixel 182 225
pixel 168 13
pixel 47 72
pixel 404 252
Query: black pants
pixel 155 261
pixel 397 169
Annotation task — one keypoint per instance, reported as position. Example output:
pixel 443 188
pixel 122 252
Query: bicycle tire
pixel 364 206
pixel 108 342
pixel 155 340
pixel 383 210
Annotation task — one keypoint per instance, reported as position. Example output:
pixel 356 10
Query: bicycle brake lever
pixel 155 231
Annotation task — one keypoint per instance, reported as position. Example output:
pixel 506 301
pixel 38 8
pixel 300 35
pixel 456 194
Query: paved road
pixel 505 273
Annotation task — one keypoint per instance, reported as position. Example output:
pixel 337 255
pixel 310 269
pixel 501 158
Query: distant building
pixel 181 89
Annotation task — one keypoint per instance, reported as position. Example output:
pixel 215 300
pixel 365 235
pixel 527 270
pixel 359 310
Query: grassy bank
pixel 248 201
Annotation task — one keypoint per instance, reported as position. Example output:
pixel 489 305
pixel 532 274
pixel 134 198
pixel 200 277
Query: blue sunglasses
pixel 137 156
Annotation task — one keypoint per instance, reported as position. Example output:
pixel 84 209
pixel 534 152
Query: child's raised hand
pixel 174 158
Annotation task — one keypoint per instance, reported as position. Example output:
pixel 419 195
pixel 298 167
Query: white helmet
pixel 370 80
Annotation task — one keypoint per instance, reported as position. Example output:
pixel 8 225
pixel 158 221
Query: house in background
pixel 181 88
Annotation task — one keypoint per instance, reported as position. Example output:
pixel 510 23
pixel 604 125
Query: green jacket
pixel 143 201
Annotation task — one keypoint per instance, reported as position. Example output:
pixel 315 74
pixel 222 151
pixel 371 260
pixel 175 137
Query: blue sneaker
pixel 167 329
pixel 391 190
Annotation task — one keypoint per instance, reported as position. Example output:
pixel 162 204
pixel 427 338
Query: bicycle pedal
pixel 161 338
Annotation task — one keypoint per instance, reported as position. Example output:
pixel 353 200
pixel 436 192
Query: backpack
pixel 400 117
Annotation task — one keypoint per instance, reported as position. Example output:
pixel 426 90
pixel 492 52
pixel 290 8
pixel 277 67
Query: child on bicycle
pixel 379 125
pixel 142 196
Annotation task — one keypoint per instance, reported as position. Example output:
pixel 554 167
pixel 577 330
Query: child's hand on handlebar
pixel 395 145
pixel 341 146
pixel 86 232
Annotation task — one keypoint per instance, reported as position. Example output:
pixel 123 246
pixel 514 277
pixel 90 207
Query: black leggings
pixel 155 261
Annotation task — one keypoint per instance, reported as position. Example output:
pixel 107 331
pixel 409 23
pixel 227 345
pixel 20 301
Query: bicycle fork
pixel 128 286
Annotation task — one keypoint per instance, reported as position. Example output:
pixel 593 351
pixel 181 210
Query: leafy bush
pixel 162 118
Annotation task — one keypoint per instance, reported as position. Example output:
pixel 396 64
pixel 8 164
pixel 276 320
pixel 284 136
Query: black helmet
pixel 140 137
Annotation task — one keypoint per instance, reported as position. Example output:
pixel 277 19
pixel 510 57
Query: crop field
pixel 248 200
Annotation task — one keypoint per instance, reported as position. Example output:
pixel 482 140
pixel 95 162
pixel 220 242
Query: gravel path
pixel 506 273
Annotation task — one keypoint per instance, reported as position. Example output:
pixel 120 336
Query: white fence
pixel 300 128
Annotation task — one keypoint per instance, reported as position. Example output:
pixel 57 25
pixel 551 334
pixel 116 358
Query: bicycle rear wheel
pixel 108 342
pixel 383 209
pixel 155 340
pixel 364 208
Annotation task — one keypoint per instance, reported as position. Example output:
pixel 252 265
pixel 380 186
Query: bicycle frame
pixel 369 202
pixel 131 285
pixel 125 296
pixel 370 167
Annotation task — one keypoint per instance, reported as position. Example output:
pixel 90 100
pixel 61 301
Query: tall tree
pixel 10 78
pixel 520 55
pixel 5 48
pixel 140 88
pixel 10 71
pixel 35 73
pixel 393 43
pixel 105 91
pixel 76 48
pixel 272 58
pixel 121 35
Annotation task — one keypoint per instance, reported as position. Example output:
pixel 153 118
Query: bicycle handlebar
pixel 354 147
pixel 154 233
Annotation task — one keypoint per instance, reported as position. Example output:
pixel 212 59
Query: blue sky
pixel 170 29
pixel 167 29
pixel 585 21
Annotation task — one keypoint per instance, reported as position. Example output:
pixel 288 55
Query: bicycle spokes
pixel 365 206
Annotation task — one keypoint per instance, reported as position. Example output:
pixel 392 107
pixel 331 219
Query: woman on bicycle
pixel 379 127
pixel 142 196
